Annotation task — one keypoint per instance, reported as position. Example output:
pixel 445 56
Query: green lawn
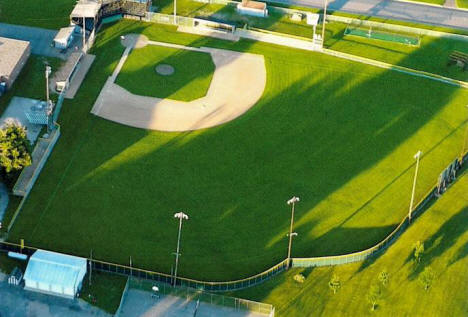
pixel 438 2
pixel 462 4
pixel 49 14
pixel 191 78
pixel 31 82
pixel 7 264
pixel 444 231
pixel 340 135
pixel 105 290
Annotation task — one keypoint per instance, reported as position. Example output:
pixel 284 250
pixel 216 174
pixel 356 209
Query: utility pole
pixel 324 22
pixel 181 217
pixel 49 106
pixel 417 156
pixel 292 202
pixel 175 12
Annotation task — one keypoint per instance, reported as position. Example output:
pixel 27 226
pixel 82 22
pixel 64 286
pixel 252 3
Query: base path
pixel 237 84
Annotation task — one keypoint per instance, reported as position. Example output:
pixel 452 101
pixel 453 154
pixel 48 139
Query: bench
pixel 459 58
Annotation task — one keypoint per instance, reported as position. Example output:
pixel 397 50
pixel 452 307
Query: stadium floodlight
pixel 181 217
pixel 291 234
pixel 417 156
pixel 324 18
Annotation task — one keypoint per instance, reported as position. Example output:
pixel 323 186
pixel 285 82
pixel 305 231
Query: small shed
pixel 55 273
pixel 64 37
pixel 253 8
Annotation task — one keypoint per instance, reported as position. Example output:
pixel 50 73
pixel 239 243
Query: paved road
pixel 41 39
pixel 394 10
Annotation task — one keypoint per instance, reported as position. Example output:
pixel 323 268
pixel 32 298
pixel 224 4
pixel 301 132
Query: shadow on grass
pixel 442 240
pixel 323 124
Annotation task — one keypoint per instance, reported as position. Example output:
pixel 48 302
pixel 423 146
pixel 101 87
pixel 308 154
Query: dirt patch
pixel 238 83
pixel 134 40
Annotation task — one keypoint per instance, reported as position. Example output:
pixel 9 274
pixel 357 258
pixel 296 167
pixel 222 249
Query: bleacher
pixel 459 58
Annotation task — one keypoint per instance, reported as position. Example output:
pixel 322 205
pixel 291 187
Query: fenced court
pixel 370 33
pixel 141 300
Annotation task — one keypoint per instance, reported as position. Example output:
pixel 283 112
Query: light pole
pixel 175 12
pixel 181 217
pixel 324 19
pixel 292 202
pixel 417 156
pixel 465 138
pixel 49 105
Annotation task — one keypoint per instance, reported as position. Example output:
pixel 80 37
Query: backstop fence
pixel 221 286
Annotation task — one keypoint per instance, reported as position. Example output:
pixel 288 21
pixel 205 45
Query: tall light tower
pixel 417 156
pixel 291 234
pixel 324 21
pixel 175 12
pixel 49 105
pixel 181 217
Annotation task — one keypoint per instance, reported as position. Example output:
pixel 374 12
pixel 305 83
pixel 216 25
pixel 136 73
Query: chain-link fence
pixel 168 279
pixel 237 304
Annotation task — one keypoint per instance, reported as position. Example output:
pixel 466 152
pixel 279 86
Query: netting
pixel 381 35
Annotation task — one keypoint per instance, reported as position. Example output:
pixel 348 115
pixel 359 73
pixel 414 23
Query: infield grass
pixel 338 134
pixel 443 229
pixel 191 79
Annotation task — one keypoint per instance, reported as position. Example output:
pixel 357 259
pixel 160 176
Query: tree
pixel 426 278
pixel 334 283
pixel 374 295
pixel 15 148
pixel 418 251
pixel 383 277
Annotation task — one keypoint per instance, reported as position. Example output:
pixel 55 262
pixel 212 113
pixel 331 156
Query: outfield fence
pixel 221 286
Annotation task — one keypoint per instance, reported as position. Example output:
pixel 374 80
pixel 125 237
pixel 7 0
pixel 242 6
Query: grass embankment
pixel 444 231
pixel 105 290
pixel 340 135
pixel 49 14
pixel 462 4
pixel 192 76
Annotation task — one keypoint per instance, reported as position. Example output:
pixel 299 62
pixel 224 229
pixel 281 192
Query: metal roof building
pixel 55 273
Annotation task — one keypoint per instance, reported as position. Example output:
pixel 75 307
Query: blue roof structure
pixel 56 269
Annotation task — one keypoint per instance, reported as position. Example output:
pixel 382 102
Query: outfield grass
pixel 191 79
pixel 444 231
pixel 49 14
pixel 433 58
pixel 340 135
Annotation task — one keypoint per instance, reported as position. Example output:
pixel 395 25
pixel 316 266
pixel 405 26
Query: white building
pixel 55 273
pixel 64 37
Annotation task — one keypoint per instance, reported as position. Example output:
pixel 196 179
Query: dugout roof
pixel 85 8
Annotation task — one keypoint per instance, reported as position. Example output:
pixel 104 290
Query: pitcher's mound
pixel 165 69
